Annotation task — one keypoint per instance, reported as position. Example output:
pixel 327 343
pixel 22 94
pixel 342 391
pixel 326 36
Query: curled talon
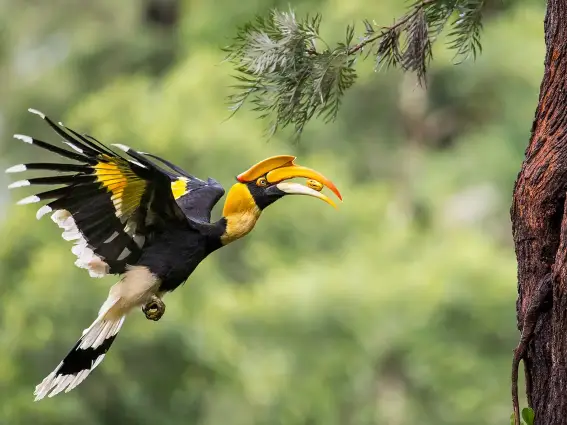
pixel 154 309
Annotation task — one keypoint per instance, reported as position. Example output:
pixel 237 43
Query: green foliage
pixel 467 29
pixel 527 416
pixel 290 74
pixel 287 79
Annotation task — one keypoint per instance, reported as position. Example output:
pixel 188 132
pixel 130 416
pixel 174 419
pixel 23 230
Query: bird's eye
pixel 262 182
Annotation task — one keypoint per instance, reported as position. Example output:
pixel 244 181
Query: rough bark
pixel 539 224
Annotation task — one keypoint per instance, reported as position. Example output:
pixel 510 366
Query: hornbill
pixel 139 216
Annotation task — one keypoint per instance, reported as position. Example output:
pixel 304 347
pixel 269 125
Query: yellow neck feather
pixel 240 212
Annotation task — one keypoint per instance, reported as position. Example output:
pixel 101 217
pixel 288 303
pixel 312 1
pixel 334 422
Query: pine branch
pixel 289 74
pixel 466 30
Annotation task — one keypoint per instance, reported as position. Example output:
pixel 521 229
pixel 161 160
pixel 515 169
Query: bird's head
pixel 263 184
pixel 266 181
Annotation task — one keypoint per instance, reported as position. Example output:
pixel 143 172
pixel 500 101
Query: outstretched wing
pixel 195 197
pixel 110 205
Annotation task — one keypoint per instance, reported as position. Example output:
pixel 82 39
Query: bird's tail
pixel 88 352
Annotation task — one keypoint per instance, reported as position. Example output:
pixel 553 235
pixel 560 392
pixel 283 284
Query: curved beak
pixel 291 188
pixel 277 169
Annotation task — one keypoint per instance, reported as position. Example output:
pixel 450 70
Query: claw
pixel 154 309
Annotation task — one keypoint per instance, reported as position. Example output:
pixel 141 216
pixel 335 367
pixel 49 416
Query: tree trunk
pixel 539 226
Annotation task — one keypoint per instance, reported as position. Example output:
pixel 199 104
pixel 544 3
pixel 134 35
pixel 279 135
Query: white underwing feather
pixel 86 257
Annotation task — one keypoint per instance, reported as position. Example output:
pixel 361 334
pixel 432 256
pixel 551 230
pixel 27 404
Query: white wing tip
pixel 16 169
pixel 120 146
pixel 35 111
pixel 139 164
pixel 23 138
pixel 46 209
pixel 72 146
pixel 29 200
pixel 19 183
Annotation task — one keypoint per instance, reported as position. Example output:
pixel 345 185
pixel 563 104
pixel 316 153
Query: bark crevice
pixel 539 227
pixel 540 303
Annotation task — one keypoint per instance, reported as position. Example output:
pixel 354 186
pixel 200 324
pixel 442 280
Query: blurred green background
pixel 399 308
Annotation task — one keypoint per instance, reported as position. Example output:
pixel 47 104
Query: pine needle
pixel 289 74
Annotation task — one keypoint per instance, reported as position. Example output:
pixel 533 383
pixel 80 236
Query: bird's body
pixel 148 224
pixel 163 254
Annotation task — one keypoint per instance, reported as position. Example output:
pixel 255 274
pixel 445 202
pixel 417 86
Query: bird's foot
pixel 154 308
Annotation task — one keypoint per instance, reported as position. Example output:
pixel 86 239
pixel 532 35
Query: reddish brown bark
pixel 539 223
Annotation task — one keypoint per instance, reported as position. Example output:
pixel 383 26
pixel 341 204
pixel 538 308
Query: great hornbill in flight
pixel 149 223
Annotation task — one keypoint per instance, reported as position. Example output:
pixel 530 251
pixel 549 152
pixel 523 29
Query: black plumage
pixel 121 213
pixel 117 204
pixel 149 223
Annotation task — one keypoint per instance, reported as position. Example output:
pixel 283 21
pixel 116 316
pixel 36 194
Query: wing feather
pixel 195 197
pixel 110 207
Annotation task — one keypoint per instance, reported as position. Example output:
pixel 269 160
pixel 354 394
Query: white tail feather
pixel 73 370
pixel 107 324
